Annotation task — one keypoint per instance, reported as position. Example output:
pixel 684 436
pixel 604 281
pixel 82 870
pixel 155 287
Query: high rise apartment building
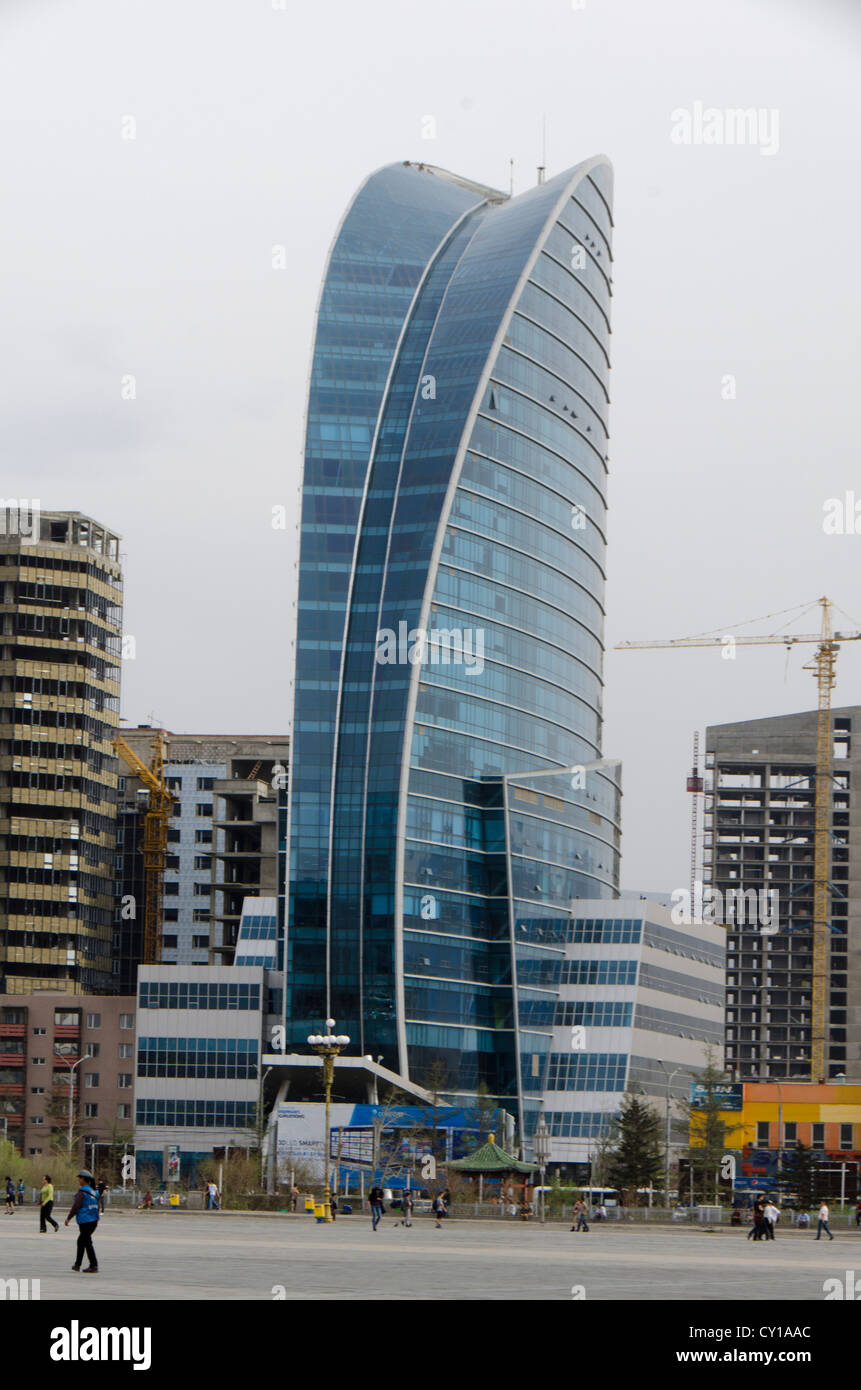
pixel 60 653
pixel 759 835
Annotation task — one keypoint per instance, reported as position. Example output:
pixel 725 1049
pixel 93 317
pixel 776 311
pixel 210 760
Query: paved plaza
pixel 176 1256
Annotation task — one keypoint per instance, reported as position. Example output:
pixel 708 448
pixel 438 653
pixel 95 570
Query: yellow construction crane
pixel 159 809
pixel 823 666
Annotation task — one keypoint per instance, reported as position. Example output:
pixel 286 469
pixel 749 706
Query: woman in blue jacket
pixel 85 1209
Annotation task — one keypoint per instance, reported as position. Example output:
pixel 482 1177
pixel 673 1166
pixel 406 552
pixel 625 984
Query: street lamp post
pixel 667 1137
pixel 71 1066
pixel 541 1150
pixel 260 1123
pixel 327 1046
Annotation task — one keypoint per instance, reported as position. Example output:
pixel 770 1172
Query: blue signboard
pixel 726 1097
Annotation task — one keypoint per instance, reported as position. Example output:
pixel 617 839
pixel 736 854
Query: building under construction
pixel 759 834
pixel 60 653
pixel 223 842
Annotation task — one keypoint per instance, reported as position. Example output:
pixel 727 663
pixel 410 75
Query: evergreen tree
pixel 635 1160
pixel 801 1166
pixel 708 1133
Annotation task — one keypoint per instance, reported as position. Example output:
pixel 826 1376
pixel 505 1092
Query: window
pixel 762 1133
pixel 171 861
pixel 125 1050
pixel 39 1032
pixel 38 1061
pixel 846 1136
pixel 790 1132
pixel 203 837
pixel 205 784
pixel 91 1080
pixel 199 914
pixel 200 943
pixel 171 914
pixel 818 1137
pixel 127 1021
pixel 224 1058
pixel 38 1120
pixel 124 1080
pixel 169 943
pixel 202 861
pixel 66 1020
pixel 210 1113
pixel 37 1090
pixel 93 1049
pixel 124 1112
pixel 203 808
pixel 202 890
pixel 171 890
pixel 35 1151
pixel 94 1020
pixel 194 995
pixel 91 1110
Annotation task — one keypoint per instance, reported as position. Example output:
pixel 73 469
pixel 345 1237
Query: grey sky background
pixel 152 257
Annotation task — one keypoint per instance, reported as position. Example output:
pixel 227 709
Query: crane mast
pixel 154 845
pixel 823 666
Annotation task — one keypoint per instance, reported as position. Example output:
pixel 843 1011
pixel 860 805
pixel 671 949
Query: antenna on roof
pixel 511 178
pixel 542 168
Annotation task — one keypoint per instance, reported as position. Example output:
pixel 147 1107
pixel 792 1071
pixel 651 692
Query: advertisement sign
pixel 726 1097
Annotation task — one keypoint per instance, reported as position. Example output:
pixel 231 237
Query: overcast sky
pixel 151 257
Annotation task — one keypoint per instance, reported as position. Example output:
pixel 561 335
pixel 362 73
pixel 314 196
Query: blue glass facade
pixel 450 624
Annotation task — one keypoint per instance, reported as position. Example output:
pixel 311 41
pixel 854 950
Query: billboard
pixel 727 1097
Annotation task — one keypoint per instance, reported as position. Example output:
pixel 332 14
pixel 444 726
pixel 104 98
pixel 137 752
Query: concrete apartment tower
pixel 760 797
pixel 60 653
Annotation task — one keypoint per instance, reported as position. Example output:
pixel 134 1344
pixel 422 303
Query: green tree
pixel 801 1165
pixel 636 1157
pixel 483 1116
pixel 708 1133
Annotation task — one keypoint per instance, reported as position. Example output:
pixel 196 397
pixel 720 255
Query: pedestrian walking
pixel 294 1197
pixel 770 1216
pixel 46 1200
pixel 823 1222
pixel 10 1197
pixel 85 1209
pixel 439 1209
pixel 580 1214
pixel 212 1196
pixel 446 1201
pixel 858 1215
pixel 375 1202
pixel 22 1192
pixel 102 1189
pixel 757 1229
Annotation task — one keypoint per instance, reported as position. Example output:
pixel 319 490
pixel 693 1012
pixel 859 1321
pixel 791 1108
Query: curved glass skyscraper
pixel 450 626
